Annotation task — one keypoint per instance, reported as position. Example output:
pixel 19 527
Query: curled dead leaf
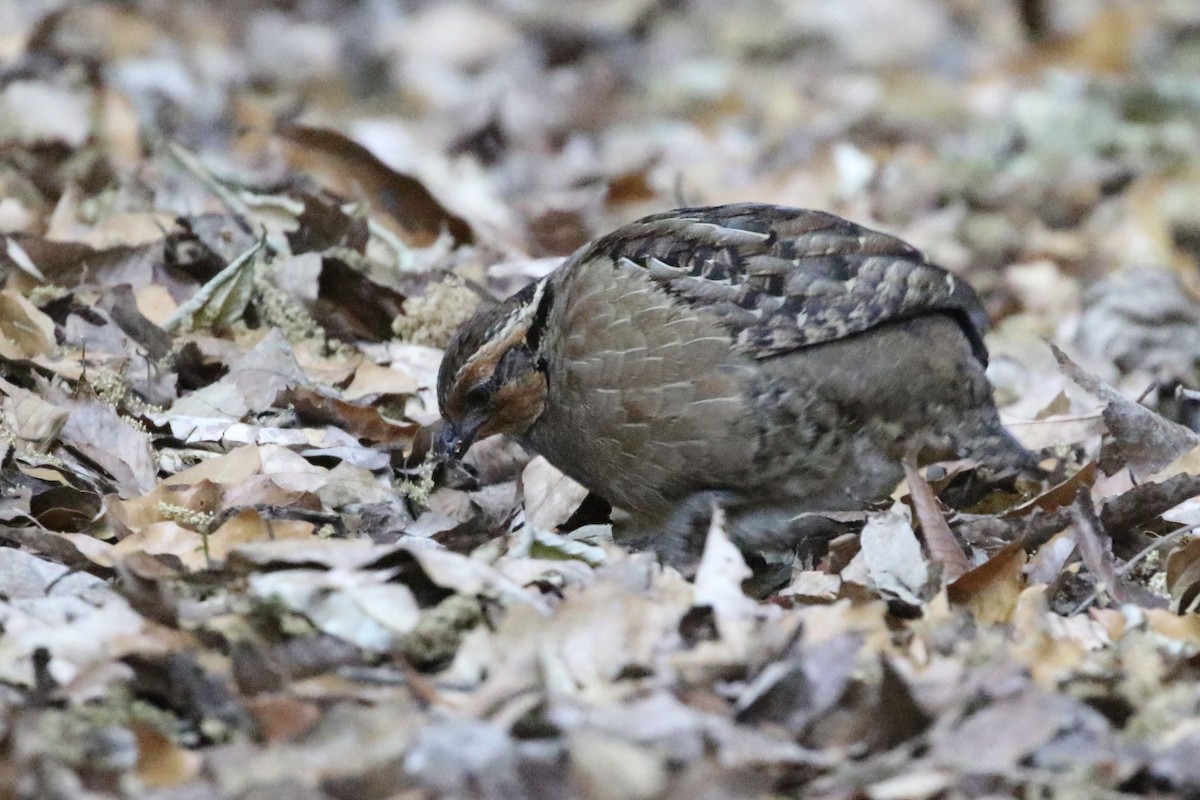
pixel 350 169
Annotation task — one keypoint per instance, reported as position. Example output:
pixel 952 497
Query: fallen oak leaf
pixel 122 306
pixel 161 762
pixel 112 442
pixel 362 606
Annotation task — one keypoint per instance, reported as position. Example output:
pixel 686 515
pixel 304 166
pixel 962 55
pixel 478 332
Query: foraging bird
pixel 774 361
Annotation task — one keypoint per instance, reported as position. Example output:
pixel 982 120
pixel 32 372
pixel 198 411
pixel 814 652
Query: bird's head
pixel 493 376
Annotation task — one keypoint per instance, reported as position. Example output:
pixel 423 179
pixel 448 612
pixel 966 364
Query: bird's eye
pixel 479 395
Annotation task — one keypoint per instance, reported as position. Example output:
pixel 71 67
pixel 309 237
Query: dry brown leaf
pixel 1000 737
pixel 1095 547
pixel 346 554
pixel 30 418
pixel 201 497
pixel 470 577
pixel 251 526
pixel 252 384
pixel 156 303
pixel 1182 628
pixel 1058 496
pixel 990 591
pixel 25 331
pixel 77 618
pixel 72 264
pixel 607 767
pixel 810 586
pixel 128 229
pixel 281 717
pixel 201 550
pixel 363 422
pixel 372 381
pixel 323 370
pixel 351 170
pixel 1186 464
pixel 1183 577
pixel 1057 431
pixel 352 305
pixel 166 538
pixel 117 444
pixel 162 763
pixel 944 549
pixel 1046 565
pixel 1104 45
pixel 264 491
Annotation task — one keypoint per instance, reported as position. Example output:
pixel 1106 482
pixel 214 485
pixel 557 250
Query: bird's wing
pixel 786 278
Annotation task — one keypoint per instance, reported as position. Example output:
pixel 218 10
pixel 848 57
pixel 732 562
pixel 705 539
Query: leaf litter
pixel 235 236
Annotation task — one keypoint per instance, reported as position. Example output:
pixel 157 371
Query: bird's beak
pixel 453 442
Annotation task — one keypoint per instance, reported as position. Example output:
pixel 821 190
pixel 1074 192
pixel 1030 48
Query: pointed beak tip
pixel 448 447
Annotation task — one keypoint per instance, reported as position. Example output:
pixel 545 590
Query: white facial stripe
pixel 513 332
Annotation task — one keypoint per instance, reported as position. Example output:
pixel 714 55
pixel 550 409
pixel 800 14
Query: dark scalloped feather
pixel 786 278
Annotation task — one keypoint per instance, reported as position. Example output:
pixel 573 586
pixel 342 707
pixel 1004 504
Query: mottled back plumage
pixel 776 361
pixel 784 278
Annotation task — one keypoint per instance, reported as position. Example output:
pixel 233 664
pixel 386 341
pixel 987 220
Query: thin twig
pixel 1173 536
pixel 191 163
pixel 1128 566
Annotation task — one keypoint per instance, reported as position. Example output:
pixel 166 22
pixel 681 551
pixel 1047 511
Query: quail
pixel 777 362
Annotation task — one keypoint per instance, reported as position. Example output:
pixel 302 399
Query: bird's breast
pixel 647 398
